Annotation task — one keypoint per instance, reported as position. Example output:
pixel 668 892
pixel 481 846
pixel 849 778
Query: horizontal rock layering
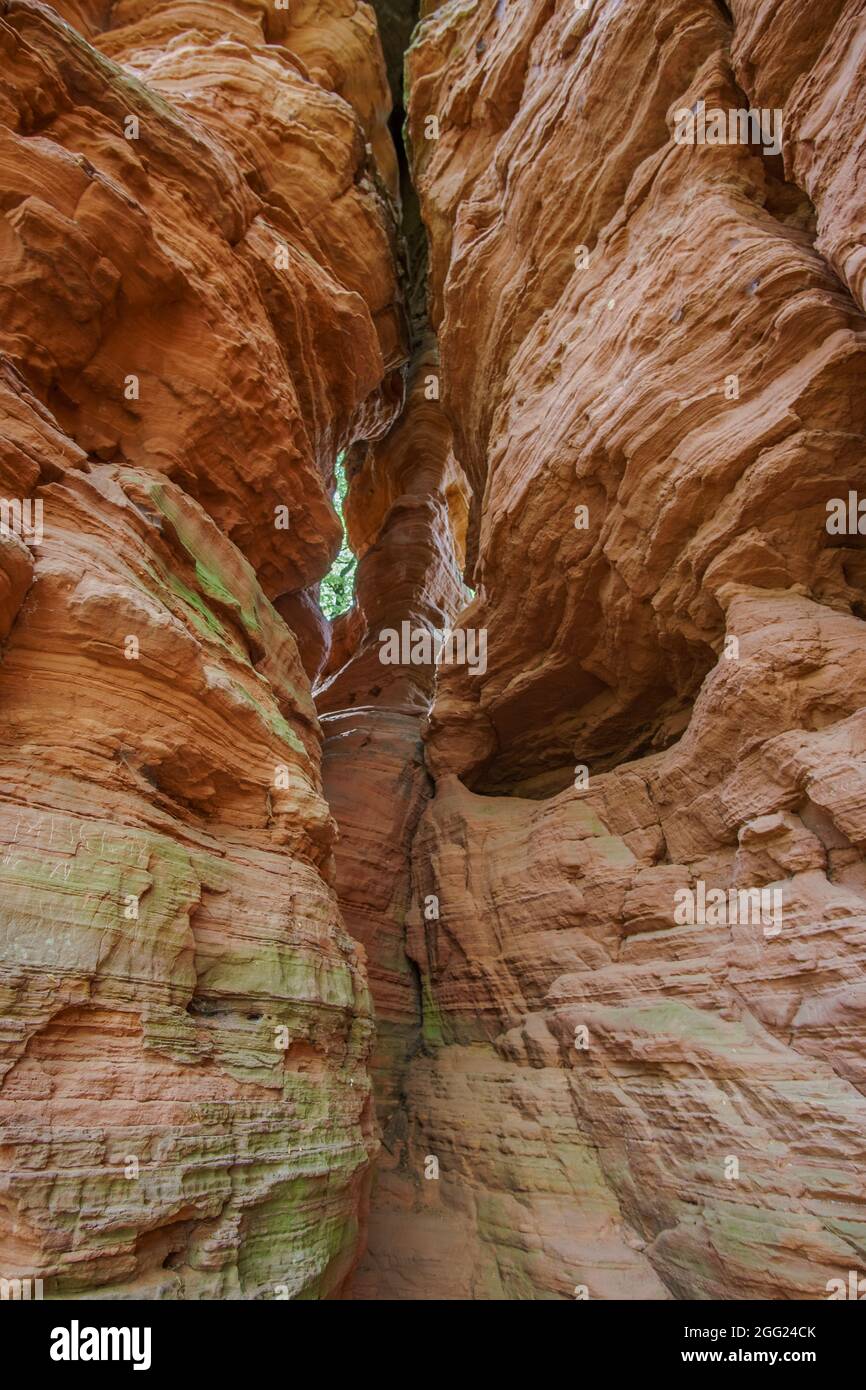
pixel 653 364
pixel 199 307
pixel 583 970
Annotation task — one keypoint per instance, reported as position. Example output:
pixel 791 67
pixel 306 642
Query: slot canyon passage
pixel 331 975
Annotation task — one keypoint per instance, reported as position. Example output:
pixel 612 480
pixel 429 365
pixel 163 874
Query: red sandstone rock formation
pixel 199 306
pixel 614 379
pixel 621 1102
pixel 407 519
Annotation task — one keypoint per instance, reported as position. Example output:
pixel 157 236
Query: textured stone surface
pixel 621 1104
pixel 617 389
pixel 604 387
pixel 705 1042
pixel 238 265
pixel 406 515
pixel 192 322
pixel 165 912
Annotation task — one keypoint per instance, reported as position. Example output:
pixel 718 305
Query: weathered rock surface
pixel 165 914
pixel 604 387
pixel 199 307
pixel 406 517
pixel 611 1100
pixel 233 260
pixel 706 1042
pixel 578 959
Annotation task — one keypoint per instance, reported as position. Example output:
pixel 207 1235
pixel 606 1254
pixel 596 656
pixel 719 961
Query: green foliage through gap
pixel 338 586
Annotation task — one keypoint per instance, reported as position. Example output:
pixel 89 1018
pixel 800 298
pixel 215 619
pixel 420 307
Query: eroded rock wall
pixel 612 379
pixel 407 512
pixel 199 307
pixel 653 364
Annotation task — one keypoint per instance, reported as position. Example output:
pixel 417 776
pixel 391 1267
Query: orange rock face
pixel 199 307
pixel 639 1074
pixel 406 512
pixel 634 384
pixel 504 938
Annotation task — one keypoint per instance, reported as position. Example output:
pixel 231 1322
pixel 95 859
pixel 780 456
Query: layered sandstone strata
pixel 653 363
pixel 198 308
pixel 614 379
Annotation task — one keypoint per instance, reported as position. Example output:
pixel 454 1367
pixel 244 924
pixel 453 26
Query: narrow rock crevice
pixel 331 969
pixel 555 878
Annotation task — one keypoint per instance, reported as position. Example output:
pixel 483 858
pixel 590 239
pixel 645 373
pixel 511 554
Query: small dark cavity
pixel 203 1007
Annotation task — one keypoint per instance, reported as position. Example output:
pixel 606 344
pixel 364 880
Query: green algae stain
pixel 211 582
pixel 203 619
pixel 432 1022
pixel 273 719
